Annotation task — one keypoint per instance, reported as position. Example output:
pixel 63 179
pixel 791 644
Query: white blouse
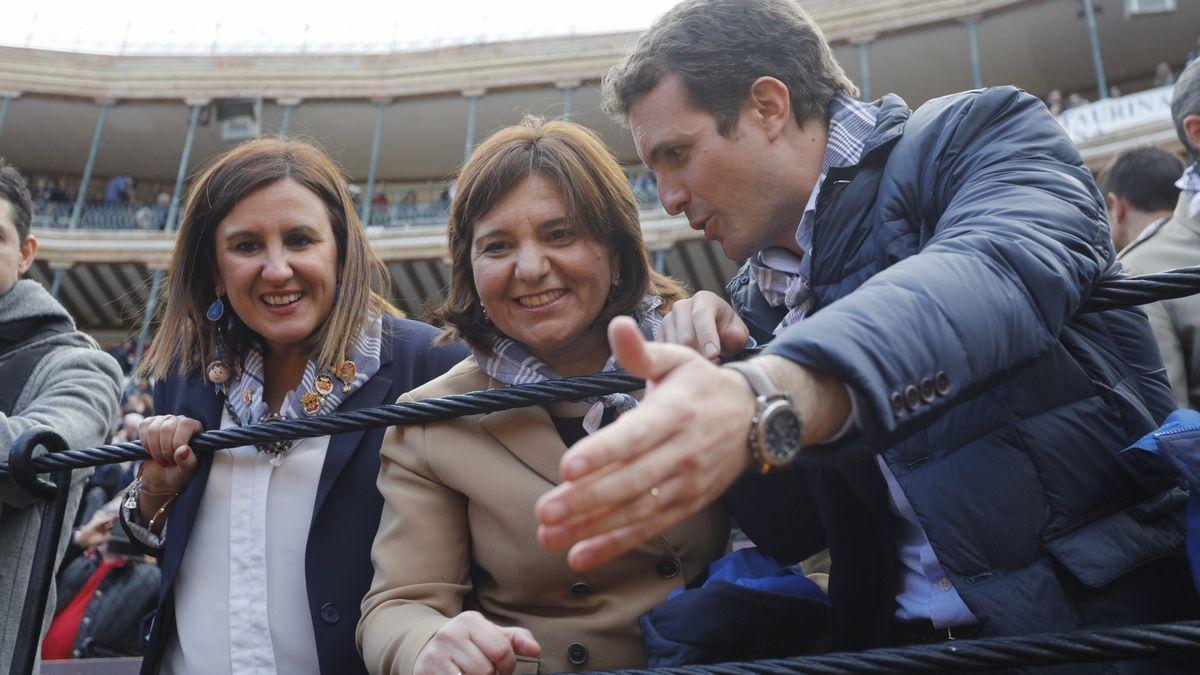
pixel 245 561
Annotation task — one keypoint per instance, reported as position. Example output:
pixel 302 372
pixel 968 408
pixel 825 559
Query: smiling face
pixel 729 187
pixel 277 259
pixel 542 279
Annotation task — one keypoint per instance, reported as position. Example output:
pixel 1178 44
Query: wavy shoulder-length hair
pixel 597 198
pixel 185 339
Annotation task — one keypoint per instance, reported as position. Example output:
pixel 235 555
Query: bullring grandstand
pixel 401 120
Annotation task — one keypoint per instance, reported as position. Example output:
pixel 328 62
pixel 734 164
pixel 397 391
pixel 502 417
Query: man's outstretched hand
pixel 666 459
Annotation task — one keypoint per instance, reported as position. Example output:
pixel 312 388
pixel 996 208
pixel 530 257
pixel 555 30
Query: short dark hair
pixel 597 197
pixel 14 191
pixel 1185 101
pixel 1145 177
pixel 718 48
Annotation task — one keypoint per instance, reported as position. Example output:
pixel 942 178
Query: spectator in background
pixel 104 597
pixel 1162 75
pixel 119 190
pixel 1054 101
pixel 162 207
pixel 124 354
pixel 1114 91
pixel 1076 99
pixel 1176 243
pixel 1139 187
pixel 53 375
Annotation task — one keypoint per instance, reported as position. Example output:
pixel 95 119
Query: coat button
pixel 744 280
pixel 667 568
pixel 941 382
pixel 577 653
pixel 330 613
pixel 912 397
pixel 581 588
pixel 897 404
pixel 928 393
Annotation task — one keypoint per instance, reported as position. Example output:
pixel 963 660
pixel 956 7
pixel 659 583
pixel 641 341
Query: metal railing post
pixel 81 194
pixel 976 66
pixel 472 105
pixel 365 207
pixel 169 226
pixel 4 108
pixel 1089 10
pixel 568 91
pixel 289 108
pixel 864 68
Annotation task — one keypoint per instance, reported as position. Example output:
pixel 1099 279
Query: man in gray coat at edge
pixel 73 388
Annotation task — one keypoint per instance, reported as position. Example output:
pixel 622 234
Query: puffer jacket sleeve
pixel 1014 241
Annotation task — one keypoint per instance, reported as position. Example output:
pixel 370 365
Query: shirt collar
pixel 1189 183
pixel 851 123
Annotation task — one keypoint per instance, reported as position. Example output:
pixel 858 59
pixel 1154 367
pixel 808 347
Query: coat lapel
pixel 342 446
pixel 530 436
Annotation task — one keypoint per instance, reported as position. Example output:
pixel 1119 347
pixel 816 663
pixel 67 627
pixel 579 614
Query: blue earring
pixel 216 310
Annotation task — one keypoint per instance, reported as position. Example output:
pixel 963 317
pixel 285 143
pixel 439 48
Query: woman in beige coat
pixel 545 249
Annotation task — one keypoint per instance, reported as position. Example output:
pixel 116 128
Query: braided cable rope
pixel 1085 646
pixel 419 412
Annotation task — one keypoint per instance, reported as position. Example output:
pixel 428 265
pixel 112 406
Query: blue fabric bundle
pixel 1178 440
pixel 748 608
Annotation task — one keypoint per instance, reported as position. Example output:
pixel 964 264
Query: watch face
pixel 781 433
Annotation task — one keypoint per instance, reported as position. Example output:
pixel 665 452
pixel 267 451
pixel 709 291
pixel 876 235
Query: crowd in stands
pixel 1163 76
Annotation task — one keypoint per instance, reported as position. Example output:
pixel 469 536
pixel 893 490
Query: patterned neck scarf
pixel 511 362
pixel 245 392
pixel 1189 183
pixel 781 275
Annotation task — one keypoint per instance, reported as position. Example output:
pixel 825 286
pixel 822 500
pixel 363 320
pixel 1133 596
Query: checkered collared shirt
pixel 783 276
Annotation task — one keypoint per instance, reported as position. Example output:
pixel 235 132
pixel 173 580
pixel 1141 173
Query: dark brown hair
pixel 718 48
pixel 186 340
pixel 597 197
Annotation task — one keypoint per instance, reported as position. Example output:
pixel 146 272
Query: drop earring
pixel 216 310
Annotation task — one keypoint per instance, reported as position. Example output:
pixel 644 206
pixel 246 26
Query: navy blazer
pixel 338 568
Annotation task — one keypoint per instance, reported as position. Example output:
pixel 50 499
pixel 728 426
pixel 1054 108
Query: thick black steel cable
pixel 1086 646
pixel 420 412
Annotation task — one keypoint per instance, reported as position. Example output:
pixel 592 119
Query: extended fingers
pixel 605 547
pixel 641 507
pixel 634 433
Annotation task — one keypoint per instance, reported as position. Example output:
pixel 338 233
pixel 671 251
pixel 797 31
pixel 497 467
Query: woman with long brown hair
pixel 545 250
pixel 274 309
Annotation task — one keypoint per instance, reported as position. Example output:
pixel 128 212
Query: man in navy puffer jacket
pixel 917 278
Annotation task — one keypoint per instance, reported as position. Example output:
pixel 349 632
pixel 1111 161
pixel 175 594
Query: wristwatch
pixel 776 429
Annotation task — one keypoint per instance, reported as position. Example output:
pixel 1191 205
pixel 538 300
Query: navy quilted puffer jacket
pixel 948 268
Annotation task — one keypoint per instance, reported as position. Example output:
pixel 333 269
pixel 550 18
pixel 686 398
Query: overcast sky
pixel 141 26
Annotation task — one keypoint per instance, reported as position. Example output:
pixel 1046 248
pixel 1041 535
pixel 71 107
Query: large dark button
pixel 330 613
pixel 927 391
pixel 941 382
pixel 897 404
pixel 667 568
pixel 744 280
pixel 577 653
pixel 912 397
pixel 581 588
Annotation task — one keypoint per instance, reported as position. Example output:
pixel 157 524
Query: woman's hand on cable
pixel 471 645
pixel 707 324
pixel 172 462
